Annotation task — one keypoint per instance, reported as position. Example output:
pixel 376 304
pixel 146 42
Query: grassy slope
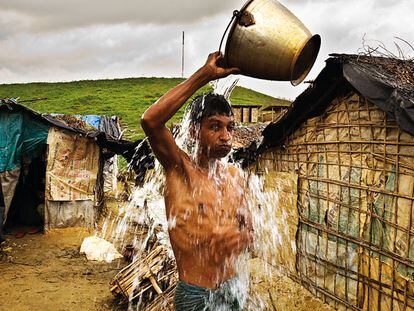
pixel 126 98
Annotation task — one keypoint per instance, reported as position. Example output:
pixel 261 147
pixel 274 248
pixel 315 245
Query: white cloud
pixel 49 40
pixel 63 14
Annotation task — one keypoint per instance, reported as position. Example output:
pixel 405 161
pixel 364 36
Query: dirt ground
pixel 279 292
pixel 46 272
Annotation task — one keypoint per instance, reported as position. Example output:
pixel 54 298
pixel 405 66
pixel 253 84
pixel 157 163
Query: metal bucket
pixel 267 41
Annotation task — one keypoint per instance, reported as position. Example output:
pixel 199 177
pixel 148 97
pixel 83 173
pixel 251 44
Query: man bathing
pixel 204 199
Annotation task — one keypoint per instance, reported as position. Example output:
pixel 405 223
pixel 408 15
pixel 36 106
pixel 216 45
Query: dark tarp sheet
pixel 386 82
pixel 110 126
pixel 138 154
pixel 391 100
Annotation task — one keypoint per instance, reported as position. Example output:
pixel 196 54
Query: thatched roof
pixel 396 73
pixel 386 82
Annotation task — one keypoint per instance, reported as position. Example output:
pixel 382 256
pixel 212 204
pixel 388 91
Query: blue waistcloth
pixel 195 298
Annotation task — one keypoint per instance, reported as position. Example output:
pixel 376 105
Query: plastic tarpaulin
pixel 20 137
pixel 110 126
pixel 69 214
pixel 72 167
pixel 8 182
pixel 93 120
pixel 110 172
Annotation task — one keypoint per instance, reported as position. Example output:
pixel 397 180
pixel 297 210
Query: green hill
pixel 126 98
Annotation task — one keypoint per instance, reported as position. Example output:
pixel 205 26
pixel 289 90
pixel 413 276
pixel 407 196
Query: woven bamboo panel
pixel 355 246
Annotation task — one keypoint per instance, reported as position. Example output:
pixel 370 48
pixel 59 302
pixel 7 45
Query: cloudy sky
pixel 64 40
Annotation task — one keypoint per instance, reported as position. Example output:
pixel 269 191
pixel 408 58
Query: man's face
pixel 216 135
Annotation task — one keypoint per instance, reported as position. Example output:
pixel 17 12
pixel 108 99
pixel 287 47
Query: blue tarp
pixel 92 119
pixel 20 137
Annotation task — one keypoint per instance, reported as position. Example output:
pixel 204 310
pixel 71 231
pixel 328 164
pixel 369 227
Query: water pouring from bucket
pixel 267 41
pixel 208 201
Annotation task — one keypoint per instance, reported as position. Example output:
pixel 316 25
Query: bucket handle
pixel 236 13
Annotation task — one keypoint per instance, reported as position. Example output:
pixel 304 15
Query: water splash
pixel 146 208
pixel 224 86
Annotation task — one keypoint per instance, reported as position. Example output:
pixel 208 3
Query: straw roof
pixel 386 82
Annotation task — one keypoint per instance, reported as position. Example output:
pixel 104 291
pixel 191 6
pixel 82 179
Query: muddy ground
pixel 46 272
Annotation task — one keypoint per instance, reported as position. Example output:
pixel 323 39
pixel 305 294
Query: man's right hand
pixel 154 119
pixel 214 67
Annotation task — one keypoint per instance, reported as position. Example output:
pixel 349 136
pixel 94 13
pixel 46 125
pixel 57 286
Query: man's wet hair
pixel 207 105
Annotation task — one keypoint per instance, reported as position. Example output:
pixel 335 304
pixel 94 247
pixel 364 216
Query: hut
pixel 272 112
pixel 254 113
pixel 52 168
pixel 246 113
pixel 110 126
pixel 348 144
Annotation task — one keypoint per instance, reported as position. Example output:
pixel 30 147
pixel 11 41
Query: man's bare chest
pixel 203 198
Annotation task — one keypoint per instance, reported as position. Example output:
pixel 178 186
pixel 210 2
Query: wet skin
pixel 208 210
pixel 205 204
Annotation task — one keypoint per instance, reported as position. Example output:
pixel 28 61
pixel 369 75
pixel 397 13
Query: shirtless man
pixel 204 199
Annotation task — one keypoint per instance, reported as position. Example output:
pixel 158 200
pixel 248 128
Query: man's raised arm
pixel 154 119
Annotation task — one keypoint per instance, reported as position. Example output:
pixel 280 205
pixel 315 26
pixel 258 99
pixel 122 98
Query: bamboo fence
pixel 355 199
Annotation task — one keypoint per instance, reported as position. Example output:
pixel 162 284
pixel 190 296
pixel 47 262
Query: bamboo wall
pixel 272 114
pixel 355 246
pixel 247 114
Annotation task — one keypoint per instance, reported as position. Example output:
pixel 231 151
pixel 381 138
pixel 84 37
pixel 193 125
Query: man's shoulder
pixel 184 170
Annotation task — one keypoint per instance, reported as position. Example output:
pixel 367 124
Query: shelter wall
pixel 247 114
pixel 355 168
pixel 271 115
pixel 73 167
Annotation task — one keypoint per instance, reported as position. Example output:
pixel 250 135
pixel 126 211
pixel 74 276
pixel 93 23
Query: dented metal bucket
pixel 267 41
